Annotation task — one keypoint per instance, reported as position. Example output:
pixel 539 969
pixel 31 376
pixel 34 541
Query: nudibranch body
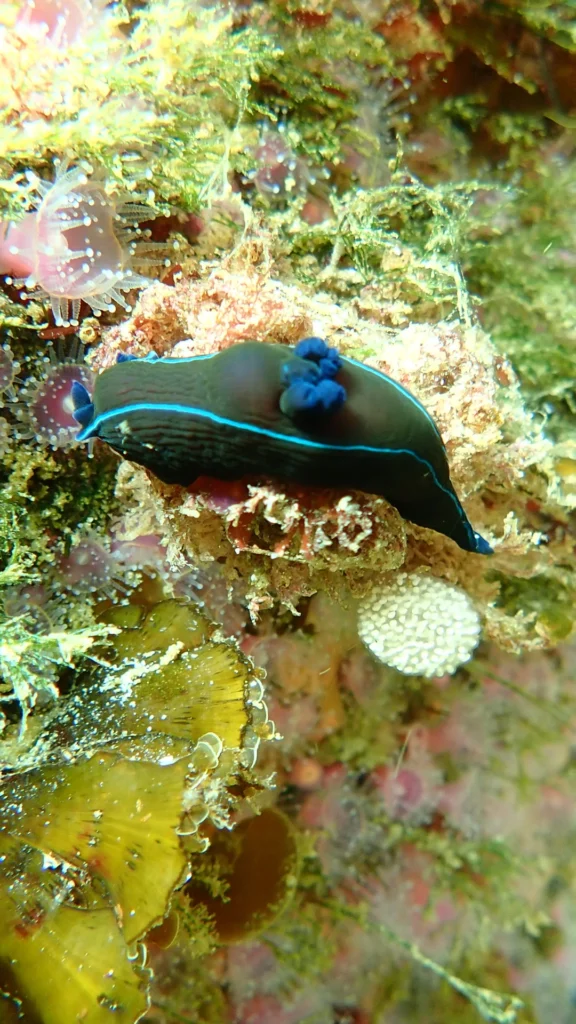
pixel 303 414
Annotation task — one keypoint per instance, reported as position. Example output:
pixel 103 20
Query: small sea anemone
pixel 59 22
pixel 77 245
pixel 45 406
pixel 224 601
pixel 32 602
pixel 46 49
pixel 419 625
pixel 105 567
pixel 278 171
pixel 143 552
pixel 94 567
pixel 87 568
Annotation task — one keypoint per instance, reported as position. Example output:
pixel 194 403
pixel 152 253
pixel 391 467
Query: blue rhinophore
pixel 297 370
pixel 304 414
pixel 124 357
pixel 310 388
pixel 317 351
pixel 308 398
pixel 83 407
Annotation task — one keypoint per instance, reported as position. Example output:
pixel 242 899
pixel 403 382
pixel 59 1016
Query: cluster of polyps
pixel 44 406
pixel 77 246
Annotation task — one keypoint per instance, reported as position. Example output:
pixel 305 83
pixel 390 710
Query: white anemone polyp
pixel 77 246
pixel 419 625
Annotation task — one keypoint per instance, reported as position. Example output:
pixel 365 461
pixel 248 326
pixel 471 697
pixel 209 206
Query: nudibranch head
pixel 77 246
pixel 307 415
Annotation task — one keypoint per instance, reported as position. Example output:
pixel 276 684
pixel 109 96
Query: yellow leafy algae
pixel 141 751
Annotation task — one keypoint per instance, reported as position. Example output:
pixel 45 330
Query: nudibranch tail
pixel 482 545
pixel 307 415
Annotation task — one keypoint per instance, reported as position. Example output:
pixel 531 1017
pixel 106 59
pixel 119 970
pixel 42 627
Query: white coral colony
pixel 419 625
pixel 76 246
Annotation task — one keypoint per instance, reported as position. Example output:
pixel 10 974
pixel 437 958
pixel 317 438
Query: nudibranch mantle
pixel 304 414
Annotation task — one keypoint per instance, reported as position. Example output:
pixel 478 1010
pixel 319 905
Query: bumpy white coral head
pixel 419 625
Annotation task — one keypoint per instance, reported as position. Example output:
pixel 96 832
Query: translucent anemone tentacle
pixel 117 297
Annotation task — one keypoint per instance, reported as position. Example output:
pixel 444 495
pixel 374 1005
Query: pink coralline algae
pixel 195 317
pixel 303 673
pixel 410 791
pixel 77 246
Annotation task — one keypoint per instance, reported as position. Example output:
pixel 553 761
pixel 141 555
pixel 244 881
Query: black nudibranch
pixel 304 414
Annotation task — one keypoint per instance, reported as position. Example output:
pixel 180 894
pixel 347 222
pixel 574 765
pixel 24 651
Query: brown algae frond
pixel 139 755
